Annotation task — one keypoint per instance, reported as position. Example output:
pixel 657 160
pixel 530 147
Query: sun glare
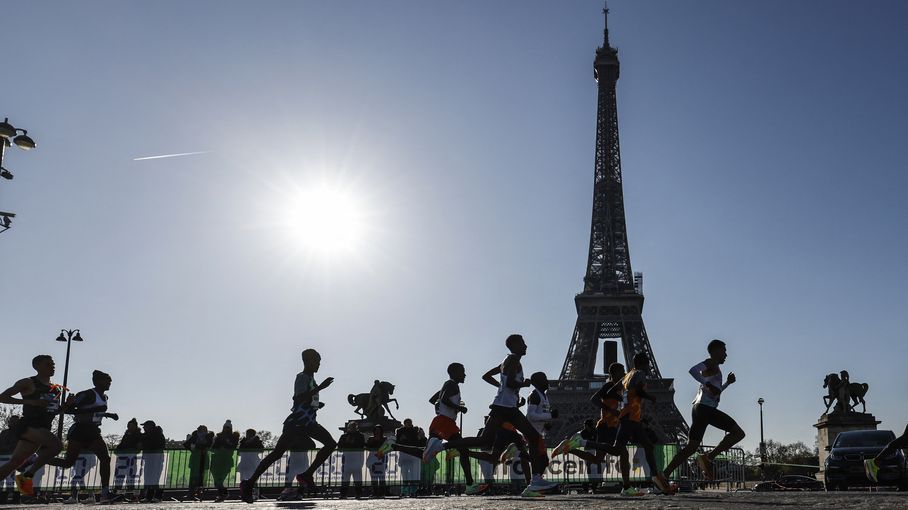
pixel 326 220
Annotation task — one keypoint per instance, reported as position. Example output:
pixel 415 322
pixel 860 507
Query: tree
pixel 796 455
pixel 267 438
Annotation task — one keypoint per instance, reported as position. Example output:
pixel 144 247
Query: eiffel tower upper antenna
pixel 605 33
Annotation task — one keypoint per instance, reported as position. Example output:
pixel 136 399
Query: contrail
pixel 171 155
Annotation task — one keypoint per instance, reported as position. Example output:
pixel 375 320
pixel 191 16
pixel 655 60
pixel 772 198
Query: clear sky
pixel 763 148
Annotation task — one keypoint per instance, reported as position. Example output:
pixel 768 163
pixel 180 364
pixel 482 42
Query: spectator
pixel 125 469
pixel 376 463
pixel 408 435
pixel 198 443
pixel 222 451
pixel 351 444
pixel 153 443
pixel 8 440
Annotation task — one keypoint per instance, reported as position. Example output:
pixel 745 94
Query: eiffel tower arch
pixel 609 310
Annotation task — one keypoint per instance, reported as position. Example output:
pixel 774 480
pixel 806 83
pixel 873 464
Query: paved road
pixel 704 500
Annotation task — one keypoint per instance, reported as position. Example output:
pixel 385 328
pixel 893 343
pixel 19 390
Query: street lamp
pixel 69 336
pixel 10 135
pixel 760 401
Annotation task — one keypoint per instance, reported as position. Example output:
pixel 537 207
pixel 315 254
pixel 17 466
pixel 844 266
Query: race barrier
pixel 181 469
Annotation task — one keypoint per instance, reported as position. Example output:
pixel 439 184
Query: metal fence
pixel 183 469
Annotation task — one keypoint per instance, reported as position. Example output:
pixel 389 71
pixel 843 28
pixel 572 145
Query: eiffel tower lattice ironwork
pixel 611 303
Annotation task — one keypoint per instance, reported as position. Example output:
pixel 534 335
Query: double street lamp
pixel 10 135
pixel 69 336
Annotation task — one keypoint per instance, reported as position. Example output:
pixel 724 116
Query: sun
pixel 326 220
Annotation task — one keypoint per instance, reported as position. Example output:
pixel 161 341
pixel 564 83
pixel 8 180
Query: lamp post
pixel 760 402
pixel 69 336
pixel 10 135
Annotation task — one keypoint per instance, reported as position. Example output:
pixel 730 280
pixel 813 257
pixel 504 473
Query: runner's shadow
pixel 297 505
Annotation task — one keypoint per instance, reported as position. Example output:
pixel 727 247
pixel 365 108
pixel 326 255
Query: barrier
pixel 181 469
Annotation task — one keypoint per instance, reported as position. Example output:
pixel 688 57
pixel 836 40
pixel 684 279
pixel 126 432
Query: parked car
pixel 790 483
pixel 845 464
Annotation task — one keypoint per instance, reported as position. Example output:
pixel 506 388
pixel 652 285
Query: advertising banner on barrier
pixel 175 469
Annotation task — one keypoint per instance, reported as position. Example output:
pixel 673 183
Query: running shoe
pixel 541 485
pixel 632 492
pixel 872 470
pixel 305 480
pixel 509 453
pixel 432 448
pixel 288 494
pixel 25 484
pixel 528 493
pixel 572 443
pixel 705 466
pixel 476 489
pixel 246 491
pixel 451 453
pixel 71 501
pixel 662 486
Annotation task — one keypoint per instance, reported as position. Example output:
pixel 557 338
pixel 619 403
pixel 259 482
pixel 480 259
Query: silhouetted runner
pixel 40 405
pixel 705 411
pixel 88 408
pixel 302 420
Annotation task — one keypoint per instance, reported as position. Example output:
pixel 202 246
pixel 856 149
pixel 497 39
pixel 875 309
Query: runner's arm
pixel 445 397
pixel 696 372
pixel 489 376
pixel 22 386
pixel 510 369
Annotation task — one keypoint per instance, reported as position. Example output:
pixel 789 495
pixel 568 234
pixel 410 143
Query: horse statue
pixel 846 394
pixel 372 405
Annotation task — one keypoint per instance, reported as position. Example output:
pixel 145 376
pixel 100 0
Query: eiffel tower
pixel 609 308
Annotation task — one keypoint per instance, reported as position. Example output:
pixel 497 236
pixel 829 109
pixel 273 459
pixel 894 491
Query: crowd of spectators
pixel 213 456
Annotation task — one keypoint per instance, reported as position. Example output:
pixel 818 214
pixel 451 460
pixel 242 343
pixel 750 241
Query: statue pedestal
pixel 829 426
pixel 365 425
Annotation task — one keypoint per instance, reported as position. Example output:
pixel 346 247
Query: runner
pixel 872 466
pixel 540 415
pixel 88 408
pixel 705 411
pixel 40 405
pixel 504 409
pixel 302 420
pixel 608 398
pixel 447 404
pixel 629 426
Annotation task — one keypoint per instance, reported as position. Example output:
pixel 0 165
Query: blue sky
pixel 762 148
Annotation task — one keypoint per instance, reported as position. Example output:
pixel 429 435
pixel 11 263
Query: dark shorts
pixel 295 430
pixel 629 430
pixel 705 416
pixel 505 414
pixel 606 434
pixel 23 425
pixel 85 433
pixel 505 437
pixel 302 418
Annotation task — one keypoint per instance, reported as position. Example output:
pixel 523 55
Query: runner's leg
pixel 699 422
pixel 733 432
pixel 50 447
pixel 99 447
pixel 898 443
pixel 318 433
pixel 283 444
